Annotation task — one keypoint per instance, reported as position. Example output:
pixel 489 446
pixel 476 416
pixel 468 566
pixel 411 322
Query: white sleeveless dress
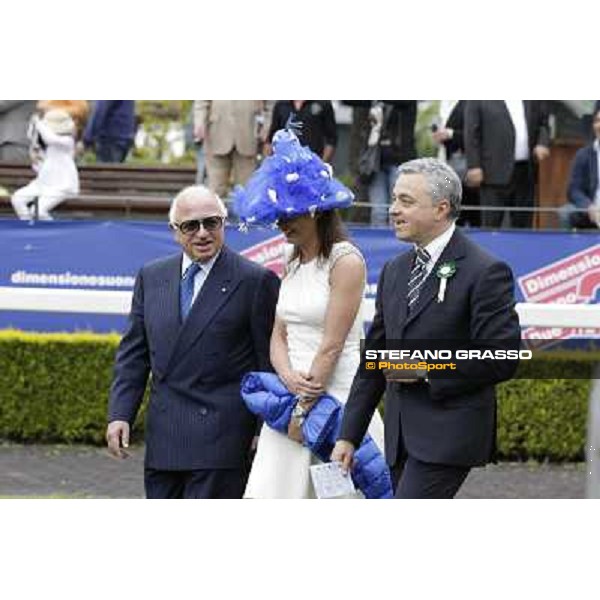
pixel 281 465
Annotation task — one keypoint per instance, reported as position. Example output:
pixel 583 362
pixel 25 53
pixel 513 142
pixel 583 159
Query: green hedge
pixel 545 419
pixel 54 388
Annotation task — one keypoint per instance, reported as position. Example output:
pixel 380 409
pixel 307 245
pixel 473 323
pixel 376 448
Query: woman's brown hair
pixel 330 231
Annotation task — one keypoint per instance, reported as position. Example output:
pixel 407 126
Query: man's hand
pixel 117 437
pixel 343 452
pixel 474 177
pixel 441 135
pixel 594 214
pixel 198 134
pixel 541 153
pixel 404 375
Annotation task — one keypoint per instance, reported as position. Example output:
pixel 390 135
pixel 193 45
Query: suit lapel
pixel 168 301
pixel 507 115
pixel 454 250
pixel 216 291
pixel 400 287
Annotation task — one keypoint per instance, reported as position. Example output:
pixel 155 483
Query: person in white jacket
pixel 57 176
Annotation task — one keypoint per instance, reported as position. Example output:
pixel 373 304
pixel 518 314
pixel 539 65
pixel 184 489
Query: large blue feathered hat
pixel 293 181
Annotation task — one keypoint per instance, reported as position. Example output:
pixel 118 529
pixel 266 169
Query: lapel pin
pixel 224 289
pixel 444 272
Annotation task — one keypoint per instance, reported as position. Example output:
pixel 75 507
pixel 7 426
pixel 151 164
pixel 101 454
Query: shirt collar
pixel 205 267
pixel 437 245
pixel 597 145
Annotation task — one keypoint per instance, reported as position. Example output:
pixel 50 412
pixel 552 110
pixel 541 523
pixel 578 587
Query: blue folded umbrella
pixel 265 395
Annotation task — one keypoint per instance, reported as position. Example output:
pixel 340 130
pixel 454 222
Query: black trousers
pixel 201 483
pixel 470 218
pixel 518 193
pixel 415 479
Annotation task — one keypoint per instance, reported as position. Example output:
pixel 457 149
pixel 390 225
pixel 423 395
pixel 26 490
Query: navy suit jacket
pixel 445 421
pixel 196 418
pixel 584 177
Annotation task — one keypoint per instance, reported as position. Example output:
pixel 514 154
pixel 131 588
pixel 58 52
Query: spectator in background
pixel 503 138
pixel 393 122
pixel 111 130
pixel 359 133
pixel 198 138
pixel 78 110
pixel 318 131
pixel 584 192
pixel 449 135
pixel 14 120
pixel 57 176
pixel 231 131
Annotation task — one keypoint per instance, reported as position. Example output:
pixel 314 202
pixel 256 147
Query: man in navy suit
pixel 199 321
pixel 435 429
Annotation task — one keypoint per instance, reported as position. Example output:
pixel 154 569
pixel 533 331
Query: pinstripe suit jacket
pixel 196 418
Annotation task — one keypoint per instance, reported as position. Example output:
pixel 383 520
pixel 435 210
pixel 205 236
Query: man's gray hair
pixel 444 183
pixel 191 192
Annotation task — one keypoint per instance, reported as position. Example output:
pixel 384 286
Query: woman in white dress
pixel 315 345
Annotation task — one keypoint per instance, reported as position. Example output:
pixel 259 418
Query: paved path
pixel 82 471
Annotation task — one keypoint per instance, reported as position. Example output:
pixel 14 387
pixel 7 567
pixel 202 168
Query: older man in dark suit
pixel 199 321
pixel 435 429
pixel 504 140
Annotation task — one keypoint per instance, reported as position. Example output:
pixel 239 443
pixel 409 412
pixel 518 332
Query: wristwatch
pixel 299 413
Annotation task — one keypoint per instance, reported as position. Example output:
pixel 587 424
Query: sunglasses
pixel 193 225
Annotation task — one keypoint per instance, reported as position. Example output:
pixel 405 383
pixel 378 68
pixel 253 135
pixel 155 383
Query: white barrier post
pixel 592 449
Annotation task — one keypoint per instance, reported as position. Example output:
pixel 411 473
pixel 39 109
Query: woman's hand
pixel 301 384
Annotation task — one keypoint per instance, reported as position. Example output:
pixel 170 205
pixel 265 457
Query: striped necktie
pixel 417 276
pixel 186 291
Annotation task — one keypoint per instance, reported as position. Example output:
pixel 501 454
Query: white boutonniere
pixel 444 272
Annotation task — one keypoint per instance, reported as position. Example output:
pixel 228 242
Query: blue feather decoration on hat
pixel 293 181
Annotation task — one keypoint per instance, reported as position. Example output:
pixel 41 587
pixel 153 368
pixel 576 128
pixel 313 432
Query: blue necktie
pixel 186 292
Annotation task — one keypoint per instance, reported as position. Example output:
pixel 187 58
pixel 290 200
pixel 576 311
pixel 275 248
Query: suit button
pixel 203 411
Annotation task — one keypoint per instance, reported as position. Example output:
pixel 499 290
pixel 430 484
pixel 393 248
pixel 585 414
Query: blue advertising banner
pixel 548 266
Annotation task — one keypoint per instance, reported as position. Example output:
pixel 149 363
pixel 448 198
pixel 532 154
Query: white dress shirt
pixel 436 247
pixel 516 109
pixel 201 275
